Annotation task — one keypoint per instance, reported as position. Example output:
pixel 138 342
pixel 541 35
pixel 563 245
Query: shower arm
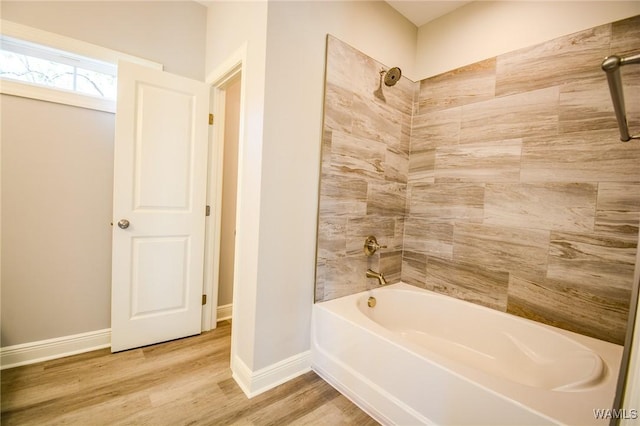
pixel 611 65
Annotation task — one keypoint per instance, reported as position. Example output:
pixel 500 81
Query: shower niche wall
pixel 502 183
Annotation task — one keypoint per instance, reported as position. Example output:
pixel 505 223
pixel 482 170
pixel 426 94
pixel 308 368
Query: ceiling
pixel 421 12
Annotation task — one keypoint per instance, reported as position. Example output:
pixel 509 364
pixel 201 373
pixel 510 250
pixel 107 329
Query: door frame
pixel 218 80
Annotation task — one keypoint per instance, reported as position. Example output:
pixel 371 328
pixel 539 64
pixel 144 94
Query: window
pixel 36 64
pixel 54 68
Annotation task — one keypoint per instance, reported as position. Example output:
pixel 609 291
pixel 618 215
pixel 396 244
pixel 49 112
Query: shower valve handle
pixel 371 245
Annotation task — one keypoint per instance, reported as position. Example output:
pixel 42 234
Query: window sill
pixel 26 90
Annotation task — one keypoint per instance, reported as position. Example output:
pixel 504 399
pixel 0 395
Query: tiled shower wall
pixel 365 164
pixel 519 194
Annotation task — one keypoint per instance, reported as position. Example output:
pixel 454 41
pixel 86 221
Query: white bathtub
pixel 419 357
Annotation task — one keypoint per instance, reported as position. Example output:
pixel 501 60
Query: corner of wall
pixel 253 383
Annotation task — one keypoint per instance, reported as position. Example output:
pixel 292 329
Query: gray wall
pixel 169 32
pixel 280 154
pixel 57 168
pixel 519 194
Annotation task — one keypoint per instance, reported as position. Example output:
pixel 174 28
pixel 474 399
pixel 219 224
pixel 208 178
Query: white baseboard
pixel 44 350
pixel 254 383
pixel 224 312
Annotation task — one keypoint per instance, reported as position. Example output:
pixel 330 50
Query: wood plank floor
pixel 183 382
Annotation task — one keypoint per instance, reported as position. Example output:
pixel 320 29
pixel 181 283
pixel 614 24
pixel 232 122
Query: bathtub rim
pixel 611 358
pixel 583 384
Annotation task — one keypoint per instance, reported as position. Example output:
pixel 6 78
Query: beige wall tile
pixel 376 121
pixel 386 199
pixel 400 97
pixel 494 161
pixel 445 202
pixel 344 276
pixel 592 156
pixel 624 36
pixel 414 268
pixel 622 223
pixel 391 265
pixel 357 157
pixel 396 166
pixel 592 260
pixel 468 282
pixel 586 105
pixel 422 166
pixel 405 134
pixel 438 128
pixel 342 196
pixel 570 307
pixel 515 250
pixel 469 84
pixel 350 69
pixel 332 237
pixel 428 237
pixel 553 63
pixel 325 163
pixel 618 209
pixel 435 128
pixel 532 113
pixel 337 108
pixel 560 206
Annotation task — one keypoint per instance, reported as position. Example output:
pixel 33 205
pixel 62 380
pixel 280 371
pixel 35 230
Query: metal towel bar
pixel 611 65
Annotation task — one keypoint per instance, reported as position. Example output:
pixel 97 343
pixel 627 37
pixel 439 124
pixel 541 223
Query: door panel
pixel 163 170
pixel 159 282
pixel 159 188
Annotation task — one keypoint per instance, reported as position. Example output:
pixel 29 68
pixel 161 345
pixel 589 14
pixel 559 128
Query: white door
pixel 160 171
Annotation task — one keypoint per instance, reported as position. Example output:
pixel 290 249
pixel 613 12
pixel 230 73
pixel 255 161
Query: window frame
pixel 78 47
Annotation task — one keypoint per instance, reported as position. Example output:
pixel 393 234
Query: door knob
pixel 123 223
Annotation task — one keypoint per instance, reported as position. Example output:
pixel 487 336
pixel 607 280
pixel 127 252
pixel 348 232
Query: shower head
pixel 392 76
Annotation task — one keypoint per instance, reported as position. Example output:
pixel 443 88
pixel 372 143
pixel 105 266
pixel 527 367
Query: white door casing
pixel 160 172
